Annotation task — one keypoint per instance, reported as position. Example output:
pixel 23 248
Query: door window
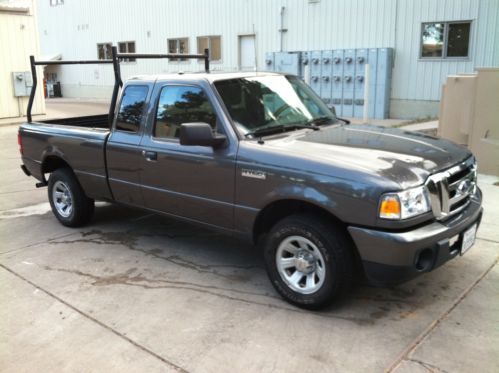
pixel 182 104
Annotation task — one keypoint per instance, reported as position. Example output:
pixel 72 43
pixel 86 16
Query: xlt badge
pixel 255 174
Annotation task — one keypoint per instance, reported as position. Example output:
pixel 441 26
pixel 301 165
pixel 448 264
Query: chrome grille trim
pixel 446 199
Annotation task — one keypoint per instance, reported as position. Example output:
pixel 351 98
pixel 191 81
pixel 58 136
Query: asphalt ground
pixel 135 291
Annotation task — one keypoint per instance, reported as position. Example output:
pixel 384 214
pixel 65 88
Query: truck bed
pixel 91 121
pixel 80 142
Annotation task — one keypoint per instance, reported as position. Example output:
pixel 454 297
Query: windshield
pixel 264 102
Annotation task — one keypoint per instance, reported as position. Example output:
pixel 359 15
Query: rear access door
pixel 123 152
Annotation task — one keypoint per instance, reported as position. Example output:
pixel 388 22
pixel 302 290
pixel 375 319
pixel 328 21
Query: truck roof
pixel 210 77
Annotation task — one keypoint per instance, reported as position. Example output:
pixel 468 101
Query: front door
pixel 194 182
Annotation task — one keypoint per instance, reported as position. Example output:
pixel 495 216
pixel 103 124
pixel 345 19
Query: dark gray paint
pixel 341 169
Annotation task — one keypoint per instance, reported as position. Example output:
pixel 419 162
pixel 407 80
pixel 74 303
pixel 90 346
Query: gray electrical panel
pixel 326 76
pixel 287 62
pixel 359 83
pixel 348 82
pixel 338 77
pixel 315 71
pixel 269 61
pixel 22 82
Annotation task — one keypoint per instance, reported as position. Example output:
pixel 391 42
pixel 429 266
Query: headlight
pixel 404 205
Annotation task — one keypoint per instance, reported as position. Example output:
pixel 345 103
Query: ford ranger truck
pixel 260 156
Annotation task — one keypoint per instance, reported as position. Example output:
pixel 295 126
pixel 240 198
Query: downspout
pixel 281 29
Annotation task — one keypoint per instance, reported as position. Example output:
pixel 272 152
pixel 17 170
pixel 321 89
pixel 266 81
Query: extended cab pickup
pixel 259 155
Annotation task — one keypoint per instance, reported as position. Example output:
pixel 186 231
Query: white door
pixel 247 52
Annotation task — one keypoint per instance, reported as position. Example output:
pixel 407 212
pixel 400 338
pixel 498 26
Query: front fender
pixel 347 200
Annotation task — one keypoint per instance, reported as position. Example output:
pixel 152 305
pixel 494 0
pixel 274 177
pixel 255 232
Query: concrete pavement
pixel 138 291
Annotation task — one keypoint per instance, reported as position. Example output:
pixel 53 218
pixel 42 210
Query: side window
pixel 182 104
pixel 440 40
pixel 132 108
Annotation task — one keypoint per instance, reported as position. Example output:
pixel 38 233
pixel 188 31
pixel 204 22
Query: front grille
pixel 451 190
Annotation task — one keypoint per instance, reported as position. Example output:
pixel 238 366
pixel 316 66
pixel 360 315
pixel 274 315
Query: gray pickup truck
pixel 260 156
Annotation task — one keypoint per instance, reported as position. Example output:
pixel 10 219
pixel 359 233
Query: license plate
pixel 468 239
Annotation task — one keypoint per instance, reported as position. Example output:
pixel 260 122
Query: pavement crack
pixel 128 240
pixel 39 243
pixel 127 278
pixel 427 366
pixel 433 325
pixel 139 280
pixel 102 324
pixel 487 239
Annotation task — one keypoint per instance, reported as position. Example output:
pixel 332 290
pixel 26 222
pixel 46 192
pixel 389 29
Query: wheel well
pixel 278 210
pixel 52 163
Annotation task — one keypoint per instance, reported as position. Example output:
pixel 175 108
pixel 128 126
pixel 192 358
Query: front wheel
pixel 309 260
pixel 69 203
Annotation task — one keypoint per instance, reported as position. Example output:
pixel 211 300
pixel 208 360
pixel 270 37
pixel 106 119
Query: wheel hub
pixel 62 198
pixel 300 264
pixel 305 262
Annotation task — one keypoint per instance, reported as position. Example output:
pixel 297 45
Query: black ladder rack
pixel 115 61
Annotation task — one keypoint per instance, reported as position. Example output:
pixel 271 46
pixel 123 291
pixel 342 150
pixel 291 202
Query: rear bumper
pixel 394 257
pixel 25 170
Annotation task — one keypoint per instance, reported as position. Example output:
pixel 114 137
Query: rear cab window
pixel 133 103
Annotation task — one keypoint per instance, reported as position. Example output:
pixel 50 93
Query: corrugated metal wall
pixel 18 39
pixel 75 28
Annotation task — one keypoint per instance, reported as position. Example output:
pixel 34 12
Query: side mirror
pixel 332 108
pixel 200 134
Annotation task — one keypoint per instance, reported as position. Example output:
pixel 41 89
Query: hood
pixel 406 158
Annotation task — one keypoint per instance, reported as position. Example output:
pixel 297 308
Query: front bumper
pixel 394 257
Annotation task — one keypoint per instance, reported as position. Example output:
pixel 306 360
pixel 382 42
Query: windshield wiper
pixel 280 128
pixel 320 120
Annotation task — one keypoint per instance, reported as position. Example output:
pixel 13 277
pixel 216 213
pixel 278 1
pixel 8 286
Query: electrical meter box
pixel 338 77
pixel 269 61
pixel 315 71
pixel 22 82
pixel 287 62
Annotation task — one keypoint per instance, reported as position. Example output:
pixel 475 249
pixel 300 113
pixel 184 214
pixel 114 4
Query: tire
pixel 67 199
pixel 316 241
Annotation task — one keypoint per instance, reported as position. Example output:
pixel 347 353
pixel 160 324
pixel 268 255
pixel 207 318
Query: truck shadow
pixel 180 255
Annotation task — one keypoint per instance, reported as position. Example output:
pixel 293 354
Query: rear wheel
pixel 309 260
pixel 69 203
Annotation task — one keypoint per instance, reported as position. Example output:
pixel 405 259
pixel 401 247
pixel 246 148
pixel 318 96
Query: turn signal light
pixel 390 207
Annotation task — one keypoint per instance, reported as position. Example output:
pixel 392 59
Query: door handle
pixel 150 156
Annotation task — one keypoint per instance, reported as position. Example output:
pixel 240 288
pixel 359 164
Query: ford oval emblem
pixel 464 186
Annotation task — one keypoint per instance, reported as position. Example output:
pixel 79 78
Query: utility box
pixel 469 113
pixel 359 83
pixel 337 80
pixel 315 71
pixel 338 77
pixel 287 62
pixel 348 82
pixel 327 76
pixel 269 61
pixel 22 82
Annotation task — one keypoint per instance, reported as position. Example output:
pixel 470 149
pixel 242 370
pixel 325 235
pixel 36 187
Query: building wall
pixel 74 29
pixel 18 40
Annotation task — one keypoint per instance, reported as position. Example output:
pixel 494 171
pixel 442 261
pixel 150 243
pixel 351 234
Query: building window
pixel 213 43
pixel 445 39
pixel 182 104
pixel 132 108
pixel 104 51
pixel 178 46
pixel 126 47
